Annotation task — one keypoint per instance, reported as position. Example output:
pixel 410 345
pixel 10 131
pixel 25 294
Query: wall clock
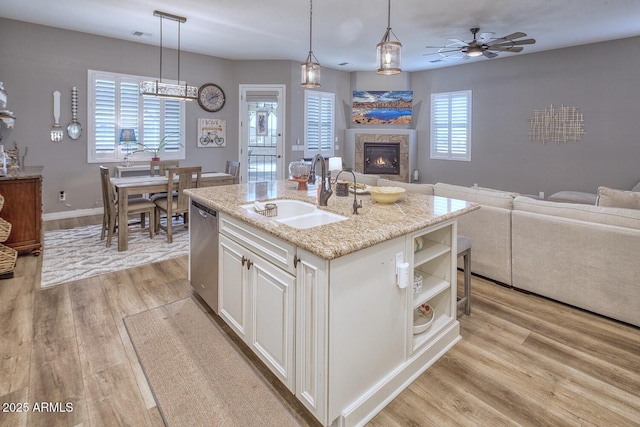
pixel 211 97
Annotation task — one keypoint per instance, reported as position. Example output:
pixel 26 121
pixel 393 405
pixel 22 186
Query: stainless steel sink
pixel 300 215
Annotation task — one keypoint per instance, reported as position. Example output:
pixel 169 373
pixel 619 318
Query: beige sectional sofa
pixel 582 255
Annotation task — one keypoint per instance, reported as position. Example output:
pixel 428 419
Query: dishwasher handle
pixel 204 210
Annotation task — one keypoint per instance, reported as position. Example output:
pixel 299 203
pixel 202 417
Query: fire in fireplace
pixel 381 158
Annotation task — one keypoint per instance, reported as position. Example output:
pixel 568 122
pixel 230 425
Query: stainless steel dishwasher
pixel 203 252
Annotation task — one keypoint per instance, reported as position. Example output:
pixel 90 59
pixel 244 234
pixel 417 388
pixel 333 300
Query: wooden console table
pixel 22 191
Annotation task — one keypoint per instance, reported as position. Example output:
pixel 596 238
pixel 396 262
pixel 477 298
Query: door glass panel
pixel 263 141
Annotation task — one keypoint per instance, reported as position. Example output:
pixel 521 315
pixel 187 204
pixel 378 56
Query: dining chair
pixel 233 168
pixel 179 203
pixel 137 206
pixel 161 166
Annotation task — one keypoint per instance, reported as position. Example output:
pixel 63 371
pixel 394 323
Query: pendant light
pixel 169 90
pixel 311 67
pixel 389 51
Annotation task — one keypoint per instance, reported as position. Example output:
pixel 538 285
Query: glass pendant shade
pixel 389 51
pixel 389 57
pixel 162 89
pixel 310 77
pixel 168 90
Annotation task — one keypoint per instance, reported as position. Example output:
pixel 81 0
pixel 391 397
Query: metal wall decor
pixel 557 124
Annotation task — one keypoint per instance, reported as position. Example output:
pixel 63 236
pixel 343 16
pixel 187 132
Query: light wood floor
pixel 523 360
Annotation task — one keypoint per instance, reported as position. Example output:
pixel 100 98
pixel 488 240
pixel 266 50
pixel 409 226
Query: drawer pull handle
pixel 244 260
pixel 296 260
pixel 249 264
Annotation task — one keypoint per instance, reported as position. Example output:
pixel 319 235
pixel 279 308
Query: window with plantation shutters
pixel 115 103
pixel 451 125
pixel 319 123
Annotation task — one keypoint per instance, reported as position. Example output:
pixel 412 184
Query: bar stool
pixel 464 250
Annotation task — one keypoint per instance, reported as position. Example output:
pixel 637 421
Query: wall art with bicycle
pixel 212 133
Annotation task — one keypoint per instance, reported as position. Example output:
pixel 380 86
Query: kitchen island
pixel 324 307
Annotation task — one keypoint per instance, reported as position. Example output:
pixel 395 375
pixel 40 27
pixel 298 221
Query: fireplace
pixel 381 158
pixel 404 139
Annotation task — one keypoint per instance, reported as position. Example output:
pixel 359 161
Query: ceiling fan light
pixel 474 51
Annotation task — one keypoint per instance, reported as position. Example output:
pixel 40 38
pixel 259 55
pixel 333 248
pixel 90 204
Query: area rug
pixel 196 374
pixel 79 253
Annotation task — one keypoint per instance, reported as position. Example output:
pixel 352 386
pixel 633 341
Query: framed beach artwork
pixel 382 107
pixel 212 133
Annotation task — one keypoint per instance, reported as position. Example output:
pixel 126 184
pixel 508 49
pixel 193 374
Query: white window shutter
pixel 451 125
pixel 115 103
pixel 319 123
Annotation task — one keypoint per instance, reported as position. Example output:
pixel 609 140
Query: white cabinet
pixel 272 314
pixel 257 295
pixel 233 285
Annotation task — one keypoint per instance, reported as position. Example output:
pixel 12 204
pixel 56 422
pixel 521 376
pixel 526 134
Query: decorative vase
pixel 299 172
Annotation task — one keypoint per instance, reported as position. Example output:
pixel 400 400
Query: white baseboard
pixel 76 213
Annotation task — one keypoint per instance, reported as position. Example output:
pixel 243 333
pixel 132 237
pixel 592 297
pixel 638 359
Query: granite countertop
pixel 374 224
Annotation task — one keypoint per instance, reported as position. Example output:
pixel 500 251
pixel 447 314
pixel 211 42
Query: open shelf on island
pixel 430 251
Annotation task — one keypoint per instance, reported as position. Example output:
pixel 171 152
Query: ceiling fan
pixel 484 44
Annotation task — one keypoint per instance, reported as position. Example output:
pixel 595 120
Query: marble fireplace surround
pixel 406 138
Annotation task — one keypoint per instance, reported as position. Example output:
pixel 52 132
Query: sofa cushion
pixel 483 196
pixel 573 197
pixel 597 214
pixel 618 198
pixel 411 187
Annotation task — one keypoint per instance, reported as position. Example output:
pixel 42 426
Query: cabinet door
pixel 272 318
pixel 232 285
pixel 312 334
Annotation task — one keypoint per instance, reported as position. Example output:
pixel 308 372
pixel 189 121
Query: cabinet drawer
pixel 270 247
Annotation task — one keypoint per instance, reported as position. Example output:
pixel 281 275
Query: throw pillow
pixel 618 198
pixel 636 188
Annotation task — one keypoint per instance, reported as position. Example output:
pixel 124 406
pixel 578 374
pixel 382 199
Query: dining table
pixel 139 185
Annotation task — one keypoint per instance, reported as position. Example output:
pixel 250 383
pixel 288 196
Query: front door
pixel 261 133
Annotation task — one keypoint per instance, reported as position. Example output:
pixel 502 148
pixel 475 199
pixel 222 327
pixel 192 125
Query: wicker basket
pixel 8 258
pixel 5 230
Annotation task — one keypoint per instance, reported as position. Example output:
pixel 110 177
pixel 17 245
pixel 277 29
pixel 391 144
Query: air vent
pixel 141 34
pixel 343 64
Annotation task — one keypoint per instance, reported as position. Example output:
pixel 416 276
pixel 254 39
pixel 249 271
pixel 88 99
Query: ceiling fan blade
pixel 489 55
pixel 458 42
pixel 512 43
pixel 512 36
pixel 506 48
pixel 485 37
pixel 443 52
pixel 525 41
